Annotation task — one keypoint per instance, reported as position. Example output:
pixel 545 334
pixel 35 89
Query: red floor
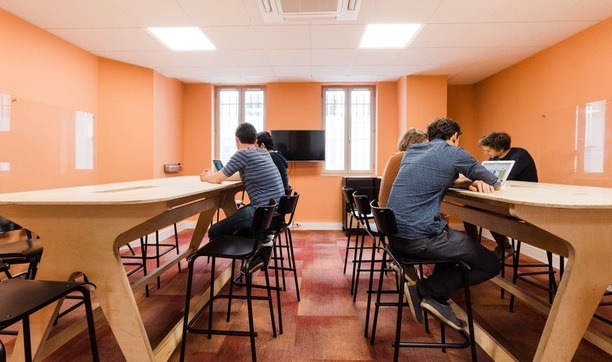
pixel 325 325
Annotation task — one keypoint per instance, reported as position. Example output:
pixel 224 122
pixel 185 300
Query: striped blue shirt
pixel 258 173
pixel 427 170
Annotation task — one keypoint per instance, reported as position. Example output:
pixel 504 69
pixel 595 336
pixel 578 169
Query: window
pixel 349 129
pixel 237 105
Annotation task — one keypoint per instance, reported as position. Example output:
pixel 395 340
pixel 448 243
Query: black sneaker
pixel 268 241
pixel 414 301
pixel 443 312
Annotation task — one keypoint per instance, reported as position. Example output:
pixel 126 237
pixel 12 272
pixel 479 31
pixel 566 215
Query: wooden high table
pixel 573 221
pixel 83 228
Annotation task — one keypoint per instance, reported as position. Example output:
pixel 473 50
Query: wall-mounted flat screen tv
pixel 300 145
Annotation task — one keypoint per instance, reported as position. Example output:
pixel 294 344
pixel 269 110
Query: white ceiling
pixel 468 40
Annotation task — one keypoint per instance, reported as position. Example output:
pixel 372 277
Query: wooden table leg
pixel 587 275
pixel 92 252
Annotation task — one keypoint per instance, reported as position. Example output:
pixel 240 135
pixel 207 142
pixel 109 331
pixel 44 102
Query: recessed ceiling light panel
pixel 380 36
pixel 182 38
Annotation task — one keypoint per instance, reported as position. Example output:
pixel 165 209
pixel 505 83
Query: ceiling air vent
pixel 283 10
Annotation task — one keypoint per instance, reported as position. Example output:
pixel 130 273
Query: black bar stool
pixel 347 195
pixel 19 298
pixel 364 215
pixel 255 257
pixel 281 227
pixel 140 262
pixel 386 224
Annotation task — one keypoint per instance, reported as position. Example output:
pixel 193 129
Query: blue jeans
pixel 242 219
pixel 455 245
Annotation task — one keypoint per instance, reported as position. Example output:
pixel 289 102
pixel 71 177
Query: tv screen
pixel 300 145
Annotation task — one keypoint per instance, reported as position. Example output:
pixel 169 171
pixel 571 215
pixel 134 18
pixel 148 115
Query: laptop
pixel 501 169
pixel 219 165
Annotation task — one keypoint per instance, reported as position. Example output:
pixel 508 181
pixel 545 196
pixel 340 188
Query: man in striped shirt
pixel 257 172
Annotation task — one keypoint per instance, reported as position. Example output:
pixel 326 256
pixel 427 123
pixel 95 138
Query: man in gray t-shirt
pixel 259 175
pixel 427 170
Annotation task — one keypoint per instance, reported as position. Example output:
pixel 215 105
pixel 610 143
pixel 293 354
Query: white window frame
pixel 241 115
pixel 348 142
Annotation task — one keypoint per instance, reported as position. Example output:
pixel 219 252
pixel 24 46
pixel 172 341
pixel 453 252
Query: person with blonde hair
pixel 409 138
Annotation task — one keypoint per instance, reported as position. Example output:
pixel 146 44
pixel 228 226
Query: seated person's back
pixel 259 175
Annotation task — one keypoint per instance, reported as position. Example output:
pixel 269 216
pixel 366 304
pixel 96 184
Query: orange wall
pixel 38 66
pixel 168 113
pixel 461 109
pixel 125 120
pixel 198 123
pixel 50 80
pixel 535 101
pixel 387 123
pixel 425 99
pixel 138 113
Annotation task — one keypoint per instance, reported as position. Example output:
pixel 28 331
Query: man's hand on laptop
pixel 481 186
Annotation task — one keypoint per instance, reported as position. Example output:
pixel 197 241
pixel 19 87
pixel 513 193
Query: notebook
pixel 501 169
pixel 219 165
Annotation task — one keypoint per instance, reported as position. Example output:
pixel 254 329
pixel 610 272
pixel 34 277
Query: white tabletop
pixel 131 192
pixel 548 195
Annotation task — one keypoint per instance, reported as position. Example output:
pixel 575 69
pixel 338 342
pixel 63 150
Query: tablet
pixel 501 169
pixel 218 165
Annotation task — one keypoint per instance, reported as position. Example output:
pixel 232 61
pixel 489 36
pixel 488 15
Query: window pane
pixel 360 130
pixel 254 108
pixel 229 110
pixel 335 110
pixel 236 105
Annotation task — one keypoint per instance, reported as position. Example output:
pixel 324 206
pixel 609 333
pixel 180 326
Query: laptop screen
pixel 218 165
pixel 501 169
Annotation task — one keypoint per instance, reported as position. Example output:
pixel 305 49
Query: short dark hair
pixel 443 128
pixel 499 141
pixel 246 133
pixel 265 138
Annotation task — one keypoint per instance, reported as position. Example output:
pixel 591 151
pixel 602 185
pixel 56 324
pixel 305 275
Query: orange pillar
pixel 422 99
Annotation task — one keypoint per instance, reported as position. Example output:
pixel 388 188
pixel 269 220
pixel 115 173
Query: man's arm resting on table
pixel 479 186
pixel 217 177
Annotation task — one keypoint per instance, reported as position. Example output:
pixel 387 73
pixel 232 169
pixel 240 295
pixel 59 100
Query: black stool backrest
pixel 362 203
pixel 347 194
pixel 262 220
pixel 384 219
pixel 287 204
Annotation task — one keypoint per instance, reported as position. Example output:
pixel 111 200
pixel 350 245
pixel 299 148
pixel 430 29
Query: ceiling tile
pixel 100 40
pixel 285 37
pixel 465 40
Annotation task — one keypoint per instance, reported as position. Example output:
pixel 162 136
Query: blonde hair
pixel 411 136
